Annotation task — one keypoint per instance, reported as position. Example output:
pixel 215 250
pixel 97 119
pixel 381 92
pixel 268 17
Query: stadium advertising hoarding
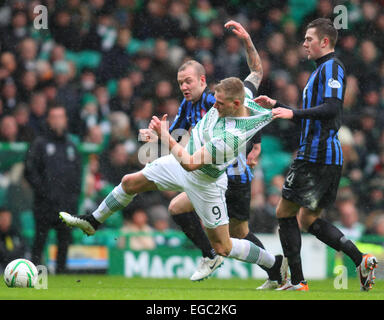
pixel 319 262
pixel 81 258
pixel 180 263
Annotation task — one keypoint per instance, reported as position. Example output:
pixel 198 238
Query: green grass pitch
pixel 104 287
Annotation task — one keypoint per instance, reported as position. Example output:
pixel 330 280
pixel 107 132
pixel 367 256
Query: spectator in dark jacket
pixel 53 169
pixel 38 110
pixel 116 62
pixel 65 32
pixel 123 101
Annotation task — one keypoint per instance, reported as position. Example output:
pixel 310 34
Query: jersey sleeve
pixel 333 77
pixel 210 101
pixel 180 121
pixel 250 90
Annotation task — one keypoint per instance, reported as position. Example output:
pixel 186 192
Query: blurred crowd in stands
pixel 113 64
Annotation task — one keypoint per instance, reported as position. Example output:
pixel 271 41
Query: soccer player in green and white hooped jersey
pixel 198 170
pixel 197 101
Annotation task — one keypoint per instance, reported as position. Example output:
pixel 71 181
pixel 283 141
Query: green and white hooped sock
pixel 247 251
pixel 116 200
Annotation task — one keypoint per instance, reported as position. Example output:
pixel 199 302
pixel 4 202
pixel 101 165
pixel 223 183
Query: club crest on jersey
pixel 334 84
pixel 71 153
pixel 50 149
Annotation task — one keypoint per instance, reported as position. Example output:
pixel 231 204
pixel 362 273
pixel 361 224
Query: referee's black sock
pixel 290 238
pixel 190 224
pixel 333 237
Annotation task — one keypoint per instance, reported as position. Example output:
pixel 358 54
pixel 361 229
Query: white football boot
pixel 206 267
pixel 274 284
pixel 82 222
pixel 269 285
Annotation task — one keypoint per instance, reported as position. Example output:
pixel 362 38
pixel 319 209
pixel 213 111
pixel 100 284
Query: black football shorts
pixel 238 199
pixel 311 185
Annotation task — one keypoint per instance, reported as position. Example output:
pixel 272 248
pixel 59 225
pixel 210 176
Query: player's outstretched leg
pixel 247 251
pixel 244 250
pixel 333 237
pixel 183 214
pixel 190 224
pixel 116 200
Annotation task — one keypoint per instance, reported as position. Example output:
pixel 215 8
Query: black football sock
pixel 290 238
pixel 333 237
pixel 91 219
pixel 190 224
pixel 252 237
pixel 274 272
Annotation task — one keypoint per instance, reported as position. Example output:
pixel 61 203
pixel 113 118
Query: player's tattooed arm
pixel 253 58
pixel 254 64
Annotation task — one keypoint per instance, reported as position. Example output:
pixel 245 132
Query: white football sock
pixel 247 251
pixel 116 200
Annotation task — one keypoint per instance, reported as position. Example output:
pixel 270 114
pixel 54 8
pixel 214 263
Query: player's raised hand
pixel 164 122
pixel 265 102
pixel 253 158
pixel 159 126
pixel 237 29
pixel 148 135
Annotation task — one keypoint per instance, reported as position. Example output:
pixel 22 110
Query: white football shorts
pixel 207 194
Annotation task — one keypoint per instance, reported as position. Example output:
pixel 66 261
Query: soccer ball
pixel 20 273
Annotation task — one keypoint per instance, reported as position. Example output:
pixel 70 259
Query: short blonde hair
pixel 199 68
pixel 233 89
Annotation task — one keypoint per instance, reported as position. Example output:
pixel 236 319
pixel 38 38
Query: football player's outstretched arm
pixel 253 58
pixel 187 161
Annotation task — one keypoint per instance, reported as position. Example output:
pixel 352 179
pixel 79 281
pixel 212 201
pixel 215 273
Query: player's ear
pixel 203 80
pixel 324 42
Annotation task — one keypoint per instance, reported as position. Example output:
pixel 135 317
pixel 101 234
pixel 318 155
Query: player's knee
pixel 304 225
pixel 239 233
pixel 127 183
pixel 280 212
pixel 306 220
pixel 238 229
pixel 174 207
pixel 284 210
